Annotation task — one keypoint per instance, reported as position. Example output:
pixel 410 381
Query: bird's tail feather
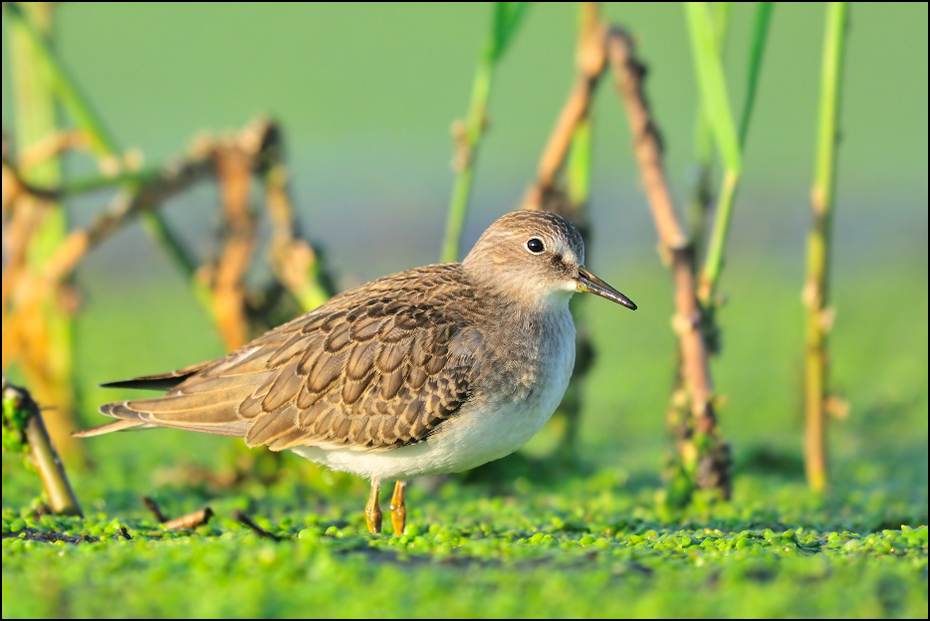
pixel 120 425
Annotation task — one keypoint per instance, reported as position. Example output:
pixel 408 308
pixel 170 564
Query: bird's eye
pixel 535 245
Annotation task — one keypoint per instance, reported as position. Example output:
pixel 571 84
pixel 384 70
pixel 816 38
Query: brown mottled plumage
pixel 435 369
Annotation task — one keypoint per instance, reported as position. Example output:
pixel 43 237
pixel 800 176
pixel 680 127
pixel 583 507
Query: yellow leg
pixel 373 509
pixel 398 508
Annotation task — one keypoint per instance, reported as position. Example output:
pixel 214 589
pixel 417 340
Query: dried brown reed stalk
pixel 602 48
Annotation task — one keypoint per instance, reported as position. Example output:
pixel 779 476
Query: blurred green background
pixel 366 95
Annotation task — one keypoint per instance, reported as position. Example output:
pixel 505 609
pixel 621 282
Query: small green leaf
pixel 507 18
pixel 712 84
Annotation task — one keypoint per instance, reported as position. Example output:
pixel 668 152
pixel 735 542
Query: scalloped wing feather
pixel 375 368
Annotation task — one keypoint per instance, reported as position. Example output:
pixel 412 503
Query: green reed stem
pixel 92 183
pixel 729 142
pixel 505 21
pixel 818 247
pixel 757 48
pixel 36 118
pixel 712 83
pixel 702 191
pixel 579 164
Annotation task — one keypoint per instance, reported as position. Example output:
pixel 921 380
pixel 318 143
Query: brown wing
pixel 375 368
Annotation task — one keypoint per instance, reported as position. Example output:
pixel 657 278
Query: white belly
pixel 476 434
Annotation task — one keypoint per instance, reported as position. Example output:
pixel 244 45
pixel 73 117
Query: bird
pixel 436 369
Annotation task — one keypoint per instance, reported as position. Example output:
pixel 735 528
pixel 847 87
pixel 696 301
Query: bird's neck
pixel 510 289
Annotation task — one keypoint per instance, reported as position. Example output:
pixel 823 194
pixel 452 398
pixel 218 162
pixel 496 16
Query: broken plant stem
pixel 21 416
pixel 190 521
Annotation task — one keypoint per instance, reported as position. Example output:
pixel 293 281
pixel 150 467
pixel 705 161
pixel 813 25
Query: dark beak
pixel 592 284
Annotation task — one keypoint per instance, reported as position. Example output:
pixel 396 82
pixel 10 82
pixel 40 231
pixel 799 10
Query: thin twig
pixel 191 520
pixel 185 522
pixel 46 282
pixel 14 186
pixel 152 506
pixel 591 62
pixel 647 141
pixel 247 521
pixel 173 179
pixel 556 150
pixel 567 194
pixel 51 147
pixel 714 470
pixel 253 150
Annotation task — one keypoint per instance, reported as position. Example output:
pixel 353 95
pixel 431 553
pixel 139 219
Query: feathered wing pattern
pixel 372 369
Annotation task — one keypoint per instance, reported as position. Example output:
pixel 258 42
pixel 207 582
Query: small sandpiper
pixel 433 370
